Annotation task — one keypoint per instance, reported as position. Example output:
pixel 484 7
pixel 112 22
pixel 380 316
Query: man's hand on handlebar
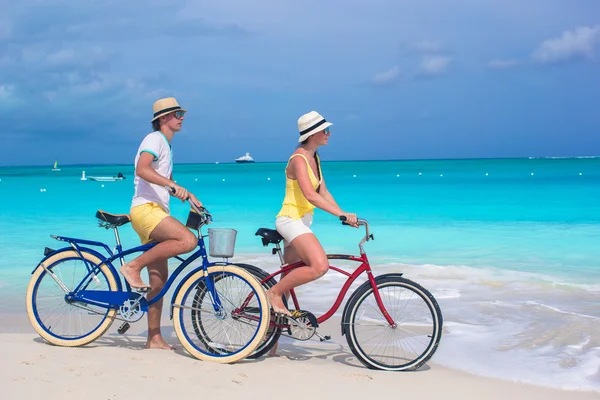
pixel 179 192
pixel 193 199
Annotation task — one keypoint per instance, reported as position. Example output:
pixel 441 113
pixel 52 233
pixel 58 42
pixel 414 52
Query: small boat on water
pixel 244 159
pixel 55 167
pixel 119 177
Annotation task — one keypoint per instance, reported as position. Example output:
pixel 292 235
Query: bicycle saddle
pixel 113 219
pixel 269 236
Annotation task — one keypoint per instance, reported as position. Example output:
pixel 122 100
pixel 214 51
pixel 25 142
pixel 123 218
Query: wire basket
pixel 221 242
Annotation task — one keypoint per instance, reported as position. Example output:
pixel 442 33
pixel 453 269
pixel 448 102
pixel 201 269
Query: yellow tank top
pixel 295 205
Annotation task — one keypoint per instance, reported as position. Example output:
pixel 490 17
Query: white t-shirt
pixel 156 144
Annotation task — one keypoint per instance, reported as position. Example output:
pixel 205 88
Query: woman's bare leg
pixel 290 256
pixel 310 251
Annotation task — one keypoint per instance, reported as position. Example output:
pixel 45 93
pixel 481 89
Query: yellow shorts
pixel 145 217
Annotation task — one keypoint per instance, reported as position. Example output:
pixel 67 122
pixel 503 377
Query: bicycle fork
pixel 382 308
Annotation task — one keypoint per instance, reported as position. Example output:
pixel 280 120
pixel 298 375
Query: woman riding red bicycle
pixel 305 189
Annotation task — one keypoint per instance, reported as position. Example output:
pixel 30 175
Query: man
pixel 150 212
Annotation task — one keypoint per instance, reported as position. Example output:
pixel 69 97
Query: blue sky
pixel 399 79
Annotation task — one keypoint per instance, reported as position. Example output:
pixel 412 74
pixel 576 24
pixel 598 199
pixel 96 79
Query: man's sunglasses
pixel 326 131
pixel 179 114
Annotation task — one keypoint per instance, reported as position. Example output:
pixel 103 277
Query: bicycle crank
pixel 302 325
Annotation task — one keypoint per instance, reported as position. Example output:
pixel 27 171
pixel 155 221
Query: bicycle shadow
pixel 131 341
pixel 292 350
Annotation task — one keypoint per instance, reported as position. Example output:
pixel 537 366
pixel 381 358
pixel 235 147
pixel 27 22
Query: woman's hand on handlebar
pixel 349 219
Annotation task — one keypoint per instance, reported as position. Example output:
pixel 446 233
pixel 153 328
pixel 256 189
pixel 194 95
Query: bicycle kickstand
pixel 321 337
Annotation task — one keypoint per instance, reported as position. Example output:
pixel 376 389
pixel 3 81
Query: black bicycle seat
pixel 269 236
pixel 114 219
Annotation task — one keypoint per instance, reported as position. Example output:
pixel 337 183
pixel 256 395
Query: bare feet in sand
pixel 277 303
pixel 158 343
pixel 273 351
pixel 133 277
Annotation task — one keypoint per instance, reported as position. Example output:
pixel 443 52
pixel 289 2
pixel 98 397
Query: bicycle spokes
pixel 408 342
pixel 63 317
pixel 227 326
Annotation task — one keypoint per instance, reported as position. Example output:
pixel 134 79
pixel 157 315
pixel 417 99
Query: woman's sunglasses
pixel 326 131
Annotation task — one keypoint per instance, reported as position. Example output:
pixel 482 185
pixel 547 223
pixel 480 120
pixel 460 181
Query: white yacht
pixel 245 159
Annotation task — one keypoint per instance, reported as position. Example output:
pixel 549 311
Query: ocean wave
pixel 520 326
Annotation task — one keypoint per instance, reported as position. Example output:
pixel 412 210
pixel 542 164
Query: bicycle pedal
pixel 123 328
pixel 303 314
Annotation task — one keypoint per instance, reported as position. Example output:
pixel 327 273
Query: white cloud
pixel 576 43
pixel 427 46
pixel 4 30
pixel 61 57
pixel 434 65
pixel 503 63
pixel 387 77
pixel 7 93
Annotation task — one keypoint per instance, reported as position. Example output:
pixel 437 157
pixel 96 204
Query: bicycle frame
pixel 113 299
pixel 364 267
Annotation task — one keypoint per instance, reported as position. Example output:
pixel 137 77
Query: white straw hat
pixel 165 106
pixel 311 123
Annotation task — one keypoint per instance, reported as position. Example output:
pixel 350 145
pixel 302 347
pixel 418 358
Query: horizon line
pixel 324 161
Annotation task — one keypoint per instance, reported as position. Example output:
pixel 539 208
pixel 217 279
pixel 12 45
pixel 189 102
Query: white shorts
pixel 291 228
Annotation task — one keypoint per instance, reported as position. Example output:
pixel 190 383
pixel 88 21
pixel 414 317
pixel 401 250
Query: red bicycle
pixel 390 322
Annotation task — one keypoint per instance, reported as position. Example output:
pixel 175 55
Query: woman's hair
pixel 156 124
pixel 317 161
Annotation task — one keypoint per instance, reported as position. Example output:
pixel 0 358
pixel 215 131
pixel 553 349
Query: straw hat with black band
pixel 165 106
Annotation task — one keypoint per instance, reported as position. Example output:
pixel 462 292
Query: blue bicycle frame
pixel 114 299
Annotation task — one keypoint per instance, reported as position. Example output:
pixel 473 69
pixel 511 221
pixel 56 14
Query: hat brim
pixel 167 112
pixel 316 130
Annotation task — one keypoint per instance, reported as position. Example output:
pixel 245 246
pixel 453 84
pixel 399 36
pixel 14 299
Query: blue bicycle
pixel 220 312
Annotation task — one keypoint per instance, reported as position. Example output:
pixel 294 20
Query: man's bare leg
pixel 159 273
pixel 174 239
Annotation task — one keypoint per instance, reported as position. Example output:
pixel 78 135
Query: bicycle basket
pixel 221 242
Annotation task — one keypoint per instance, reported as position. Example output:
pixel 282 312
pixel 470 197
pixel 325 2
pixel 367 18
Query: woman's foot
pixel 277 304
pixel 158 343
pixel 133 278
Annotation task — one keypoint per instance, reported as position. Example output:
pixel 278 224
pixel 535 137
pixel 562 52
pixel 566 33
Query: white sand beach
pixel 116 367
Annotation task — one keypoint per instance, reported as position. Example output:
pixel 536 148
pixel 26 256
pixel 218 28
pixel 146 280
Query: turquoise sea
pixel 509 247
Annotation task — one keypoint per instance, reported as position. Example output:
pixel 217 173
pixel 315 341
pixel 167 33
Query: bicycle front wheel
pixel 403 347
pixel 233 322
pixel 202 295
pixel 69 323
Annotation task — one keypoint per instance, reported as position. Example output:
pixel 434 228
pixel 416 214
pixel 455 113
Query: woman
pixel 305 189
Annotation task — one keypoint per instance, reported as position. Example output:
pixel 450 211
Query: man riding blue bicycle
pixel 150 212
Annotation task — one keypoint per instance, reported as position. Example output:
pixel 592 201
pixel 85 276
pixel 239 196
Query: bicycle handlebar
pixel 200 210
pixel 361 222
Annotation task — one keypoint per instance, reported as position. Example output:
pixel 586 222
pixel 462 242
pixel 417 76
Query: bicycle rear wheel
pixel 229 329
pixel 62 322
pixel 375 342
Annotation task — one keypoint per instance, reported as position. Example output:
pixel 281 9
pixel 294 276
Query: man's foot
pixel 158 343
pixel 273 351
pixel 277 303
pixel 133 278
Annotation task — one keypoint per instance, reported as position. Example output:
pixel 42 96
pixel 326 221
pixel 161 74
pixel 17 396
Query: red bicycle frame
pixel 364 267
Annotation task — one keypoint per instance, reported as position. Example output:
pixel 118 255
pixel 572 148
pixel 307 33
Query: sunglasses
pixel 179 114
pixel 327 132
